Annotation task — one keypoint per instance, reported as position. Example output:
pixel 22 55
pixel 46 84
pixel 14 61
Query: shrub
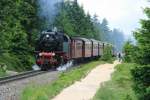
pixel 107 54
pixel 141 77
pixel 17 62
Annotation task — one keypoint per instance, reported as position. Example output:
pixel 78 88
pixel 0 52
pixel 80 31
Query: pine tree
pixel 73 20
pixel 18 25
pixel 142 36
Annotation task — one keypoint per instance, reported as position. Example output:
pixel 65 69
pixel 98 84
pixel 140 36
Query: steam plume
pixel 48 10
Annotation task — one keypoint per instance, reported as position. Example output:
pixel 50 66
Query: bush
pixel 141 77
pixel 107 56
pixel 131 54
pixel 17 62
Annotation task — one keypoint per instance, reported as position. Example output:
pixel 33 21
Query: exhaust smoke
pixel 48 9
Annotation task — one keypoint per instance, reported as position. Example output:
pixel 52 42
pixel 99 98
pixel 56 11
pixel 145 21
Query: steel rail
pixel 20 76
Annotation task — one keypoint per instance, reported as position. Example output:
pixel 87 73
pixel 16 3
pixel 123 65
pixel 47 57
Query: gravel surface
pixel 13 90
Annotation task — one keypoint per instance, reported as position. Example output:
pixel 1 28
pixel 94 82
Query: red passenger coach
pixel 95 48
pixel 87 47
pixel 76 48
pixel 101 48
pixel 80 48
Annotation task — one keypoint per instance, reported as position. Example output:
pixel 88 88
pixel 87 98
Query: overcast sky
pixel 122 14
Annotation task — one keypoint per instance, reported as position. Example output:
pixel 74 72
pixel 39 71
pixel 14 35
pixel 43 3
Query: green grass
pixel 2 70
pixel 120 87
pixel 65 79
pixel 2 73
pixel 111 60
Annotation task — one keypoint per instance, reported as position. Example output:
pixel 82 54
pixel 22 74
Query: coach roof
pixel 93 40
pixel 82 39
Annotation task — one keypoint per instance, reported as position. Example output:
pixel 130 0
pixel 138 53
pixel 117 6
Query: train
pixel 56 48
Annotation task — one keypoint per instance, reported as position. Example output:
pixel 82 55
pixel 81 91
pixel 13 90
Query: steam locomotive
pixel 56 48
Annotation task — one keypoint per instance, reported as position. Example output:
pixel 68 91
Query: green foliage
pixel 18 22
pixel 120 87
pixel 130 52
pixel 3 68
pixel 141 54
pixel 16 62
pixel 65 79
pixel 141 78
pixel 73 20
pixel 107 56
pixel 63 23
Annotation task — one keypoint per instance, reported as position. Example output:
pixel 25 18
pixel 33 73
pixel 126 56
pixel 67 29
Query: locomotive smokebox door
pixel 52 42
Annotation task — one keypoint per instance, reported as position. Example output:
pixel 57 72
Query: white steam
pixel 66 66
pixel 48 9
pixel 36 67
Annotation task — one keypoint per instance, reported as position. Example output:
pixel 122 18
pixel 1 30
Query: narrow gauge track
pixel 20 76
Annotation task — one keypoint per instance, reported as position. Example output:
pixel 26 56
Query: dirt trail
pixel 87 87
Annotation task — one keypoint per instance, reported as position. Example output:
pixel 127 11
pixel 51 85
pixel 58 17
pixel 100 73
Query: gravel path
pixel 87 87
pixel 13 90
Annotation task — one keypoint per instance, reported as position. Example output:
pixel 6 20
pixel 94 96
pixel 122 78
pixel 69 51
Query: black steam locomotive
pixel 49 49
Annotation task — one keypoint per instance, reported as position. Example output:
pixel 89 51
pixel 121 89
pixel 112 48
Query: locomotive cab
pixel 66 45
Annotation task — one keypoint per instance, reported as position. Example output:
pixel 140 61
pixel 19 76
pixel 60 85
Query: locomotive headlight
pixel 40 54
pixel 47 36
pixel 53 54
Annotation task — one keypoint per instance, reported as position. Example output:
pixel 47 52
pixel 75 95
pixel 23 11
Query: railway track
pixel 20 76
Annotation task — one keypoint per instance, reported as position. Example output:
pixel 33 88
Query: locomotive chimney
pixel 55 29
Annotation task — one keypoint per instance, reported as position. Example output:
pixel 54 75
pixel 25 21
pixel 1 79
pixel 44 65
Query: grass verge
pixel 2 73
pixel 111 60
pixel 65 79
pixel 2 70
pixel 120 87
